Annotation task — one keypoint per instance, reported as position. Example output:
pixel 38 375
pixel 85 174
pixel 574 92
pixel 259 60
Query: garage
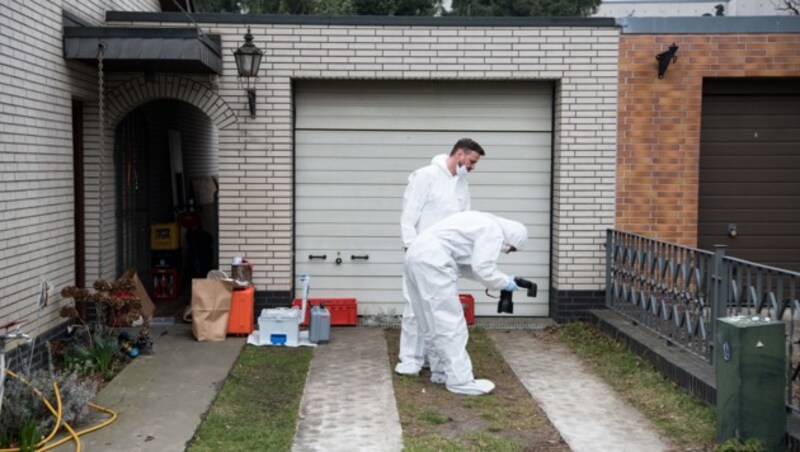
pixel 356 142
pixel 749 166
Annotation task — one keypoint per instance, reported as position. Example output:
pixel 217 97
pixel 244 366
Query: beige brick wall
pixel 36 182
pixel 255 154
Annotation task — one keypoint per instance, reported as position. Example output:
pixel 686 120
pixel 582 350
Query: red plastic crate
pixel 241 320
pixel 343 311
pixel 468 303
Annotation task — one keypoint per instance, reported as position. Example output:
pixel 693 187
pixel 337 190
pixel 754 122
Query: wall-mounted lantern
pixel 665 58
pixel 248 59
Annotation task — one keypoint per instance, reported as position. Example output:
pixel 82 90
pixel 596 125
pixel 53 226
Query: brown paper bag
pixel 148 308
pixel 211 305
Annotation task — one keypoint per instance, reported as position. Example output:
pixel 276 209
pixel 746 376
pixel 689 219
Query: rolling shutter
pixel 357 142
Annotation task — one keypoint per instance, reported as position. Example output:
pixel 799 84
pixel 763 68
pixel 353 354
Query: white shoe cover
pixel 474 387
pixel 439 378
pixel 408 369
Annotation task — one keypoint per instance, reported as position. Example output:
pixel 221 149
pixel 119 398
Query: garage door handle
pixel 354 257
pixel 317 256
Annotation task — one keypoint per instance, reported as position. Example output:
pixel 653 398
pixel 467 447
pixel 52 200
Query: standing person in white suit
pixel 464 244
pixel 433 193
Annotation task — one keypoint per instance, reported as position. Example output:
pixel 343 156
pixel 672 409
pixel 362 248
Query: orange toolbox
pixel 344 311
pixel 241 320
pixel 468 303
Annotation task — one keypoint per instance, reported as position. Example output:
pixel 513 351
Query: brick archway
pixel 133 93
pixel 121 99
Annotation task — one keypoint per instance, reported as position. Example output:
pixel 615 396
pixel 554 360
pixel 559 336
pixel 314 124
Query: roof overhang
pixel 127 49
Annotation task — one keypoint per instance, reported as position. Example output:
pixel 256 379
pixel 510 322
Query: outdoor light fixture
pixel 665 58
pixel 248 59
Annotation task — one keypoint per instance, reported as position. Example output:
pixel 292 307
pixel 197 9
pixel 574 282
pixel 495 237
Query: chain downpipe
pixel 101 129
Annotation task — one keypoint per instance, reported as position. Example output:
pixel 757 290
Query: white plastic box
pixel 279 326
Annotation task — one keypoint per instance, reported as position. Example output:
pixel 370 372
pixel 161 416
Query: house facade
pixel 41 94
pixel 123 116
pixel 708 154
pixel 109 130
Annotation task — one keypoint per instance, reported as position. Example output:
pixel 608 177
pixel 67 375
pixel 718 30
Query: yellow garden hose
pixel 84 431
pixel 58 415
pixel 44 445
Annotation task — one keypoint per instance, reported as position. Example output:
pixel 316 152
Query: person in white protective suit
pixel 464 244
pixel 433 192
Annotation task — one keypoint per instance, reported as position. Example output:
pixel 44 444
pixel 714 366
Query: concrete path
pixel 348 402
pixel 160 398
pixel 587 412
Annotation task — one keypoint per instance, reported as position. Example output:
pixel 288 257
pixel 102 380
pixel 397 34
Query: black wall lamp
pixel 665 58
pixel 248 59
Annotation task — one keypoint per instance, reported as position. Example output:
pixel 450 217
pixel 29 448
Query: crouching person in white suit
pixel 464 244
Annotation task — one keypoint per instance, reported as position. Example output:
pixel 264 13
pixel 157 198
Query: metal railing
pixel 677 292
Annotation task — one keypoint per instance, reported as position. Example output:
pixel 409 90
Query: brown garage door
pixel 750 169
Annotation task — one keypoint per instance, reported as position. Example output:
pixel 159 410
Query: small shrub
pixel 114 304
pixel 76 393
pixel 21 405
pixel 99 357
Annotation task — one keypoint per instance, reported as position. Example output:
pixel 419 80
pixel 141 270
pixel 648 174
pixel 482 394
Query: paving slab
pixel 587 412
pixel 348 402
pixel 160 398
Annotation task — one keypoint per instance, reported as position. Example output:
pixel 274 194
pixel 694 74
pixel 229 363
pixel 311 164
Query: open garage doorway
pixel 167 172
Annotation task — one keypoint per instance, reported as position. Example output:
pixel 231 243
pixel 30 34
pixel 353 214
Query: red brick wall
pixel 659 121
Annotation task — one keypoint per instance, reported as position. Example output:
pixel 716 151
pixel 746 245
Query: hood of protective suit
pixel 515 233
pixel 440 161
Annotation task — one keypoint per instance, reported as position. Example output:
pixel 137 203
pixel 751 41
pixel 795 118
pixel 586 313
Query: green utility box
pixel 750 365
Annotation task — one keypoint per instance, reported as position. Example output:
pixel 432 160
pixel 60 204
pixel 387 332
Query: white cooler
pixel 279 326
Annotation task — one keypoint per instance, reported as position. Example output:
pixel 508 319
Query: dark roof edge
pixel 229 18
pixel 130 32
pixel 212 41
pixel 709 25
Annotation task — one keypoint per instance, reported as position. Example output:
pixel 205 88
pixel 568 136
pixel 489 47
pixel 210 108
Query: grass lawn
pixel 434 419
pixel 258 405
pixel 686 420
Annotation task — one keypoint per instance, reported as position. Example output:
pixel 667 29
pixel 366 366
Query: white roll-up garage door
pixel 357 142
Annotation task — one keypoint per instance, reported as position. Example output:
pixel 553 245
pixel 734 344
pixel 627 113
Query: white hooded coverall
pixel 468 244
pixel 431 195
